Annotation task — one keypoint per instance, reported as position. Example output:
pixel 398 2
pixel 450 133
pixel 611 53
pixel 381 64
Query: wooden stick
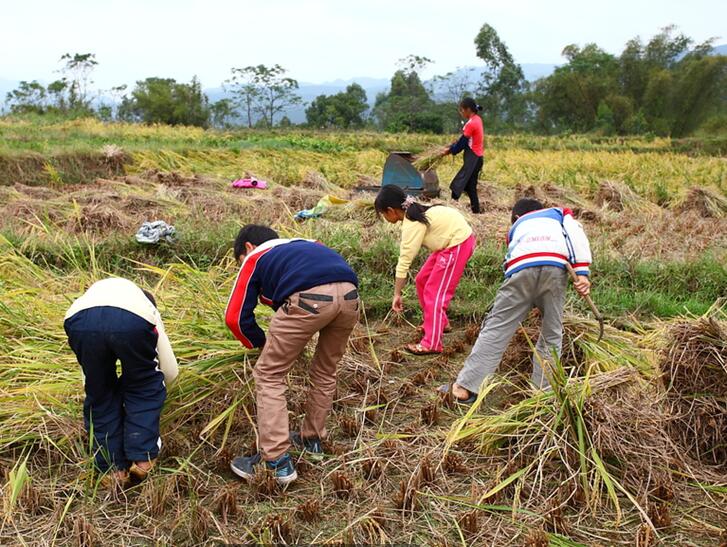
pixel 594 309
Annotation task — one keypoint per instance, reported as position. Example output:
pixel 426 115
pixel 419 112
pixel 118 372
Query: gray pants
pixel 543 287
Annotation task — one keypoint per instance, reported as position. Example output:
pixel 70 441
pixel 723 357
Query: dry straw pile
pixel 694 372
pixel 629 425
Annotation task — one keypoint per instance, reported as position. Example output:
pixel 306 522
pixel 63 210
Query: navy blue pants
pixel 121 412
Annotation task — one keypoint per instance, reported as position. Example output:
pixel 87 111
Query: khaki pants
pixel 543 287
pixel 332 310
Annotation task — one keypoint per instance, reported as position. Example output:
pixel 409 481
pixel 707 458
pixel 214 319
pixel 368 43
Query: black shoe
pixel 283 468
pixel 313 445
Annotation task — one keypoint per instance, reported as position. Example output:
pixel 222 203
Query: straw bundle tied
pixel 576 435
pixel 707 202
pixel 617 196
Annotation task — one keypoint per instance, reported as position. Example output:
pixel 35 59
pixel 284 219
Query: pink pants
pixel 436 283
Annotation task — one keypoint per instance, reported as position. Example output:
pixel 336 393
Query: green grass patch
pixel 645 289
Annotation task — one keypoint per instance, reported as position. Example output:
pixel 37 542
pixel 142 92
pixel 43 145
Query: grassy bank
pixel 648 288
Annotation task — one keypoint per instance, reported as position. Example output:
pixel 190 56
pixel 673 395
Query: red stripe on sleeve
pixel 238 296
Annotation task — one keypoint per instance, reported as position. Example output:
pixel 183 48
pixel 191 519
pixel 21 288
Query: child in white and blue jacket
pixel 540 244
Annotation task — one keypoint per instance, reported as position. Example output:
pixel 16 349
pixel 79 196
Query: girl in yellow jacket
pixel 444 231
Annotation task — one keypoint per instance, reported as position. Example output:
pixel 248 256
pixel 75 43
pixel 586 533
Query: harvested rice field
pixel 629 447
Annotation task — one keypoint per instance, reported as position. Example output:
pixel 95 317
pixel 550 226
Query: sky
pixel 318 40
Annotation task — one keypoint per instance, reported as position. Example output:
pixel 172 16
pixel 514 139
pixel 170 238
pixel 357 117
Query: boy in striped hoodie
pixel 540 244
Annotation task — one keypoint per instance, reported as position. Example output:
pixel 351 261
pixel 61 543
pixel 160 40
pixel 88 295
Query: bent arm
pixel 240 312
pixel 461 144
pixel 579 248
pixel 412 236
pixel 167 360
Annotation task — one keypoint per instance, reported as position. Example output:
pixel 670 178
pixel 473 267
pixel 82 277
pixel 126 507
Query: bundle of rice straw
pixel 429 159
pixel 628 428
pixel 593 435
pixel 113 152
pixel 707 202
pixel 694 371
pixel 617 196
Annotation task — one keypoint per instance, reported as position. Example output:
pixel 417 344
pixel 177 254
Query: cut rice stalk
pixel 429 159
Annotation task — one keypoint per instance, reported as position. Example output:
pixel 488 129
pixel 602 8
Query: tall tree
pixel 666 86
pixel 700 83
pixel 407 106
pixel 262 90
pixel 77 70
pixel 571 96
pixel 503 83
pixel 638 62
pixel 164 100
pixel 664 50
pixel 634 72
pixel 277 91
pixel 27 97
pixel 344 110
pixel 245 92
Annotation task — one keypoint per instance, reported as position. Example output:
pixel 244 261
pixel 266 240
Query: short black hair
pixel 150 297
pixel 255 234
pixel 524 206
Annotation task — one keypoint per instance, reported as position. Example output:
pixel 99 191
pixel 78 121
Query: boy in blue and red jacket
pixel 540 244
pixel 312 290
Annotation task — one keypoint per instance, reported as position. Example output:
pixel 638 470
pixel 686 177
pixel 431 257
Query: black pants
pixel 466 179
pixel 121 412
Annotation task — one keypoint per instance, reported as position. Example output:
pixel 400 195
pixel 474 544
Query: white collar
pixel 269 244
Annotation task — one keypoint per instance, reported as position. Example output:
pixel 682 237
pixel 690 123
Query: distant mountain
pixel 373 86
pixel 309 91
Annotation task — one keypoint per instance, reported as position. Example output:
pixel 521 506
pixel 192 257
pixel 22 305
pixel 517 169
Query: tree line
pixel 667 85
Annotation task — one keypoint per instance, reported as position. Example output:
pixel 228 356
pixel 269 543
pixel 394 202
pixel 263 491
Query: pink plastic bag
pixel 250 183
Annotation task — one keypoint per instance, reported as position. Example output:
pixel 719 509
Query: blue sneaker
pixel 283 468
pixel 312 445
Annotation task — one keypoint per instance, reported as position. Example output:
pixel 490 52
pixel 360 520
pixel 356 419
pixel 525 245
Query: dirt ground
pixel 387 476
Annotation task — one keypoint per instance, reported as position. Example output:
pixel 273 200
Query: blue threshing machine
pixel 399 171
